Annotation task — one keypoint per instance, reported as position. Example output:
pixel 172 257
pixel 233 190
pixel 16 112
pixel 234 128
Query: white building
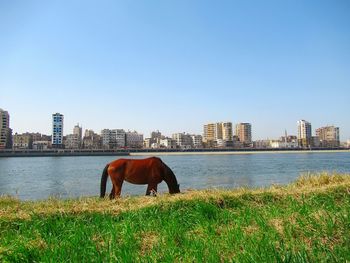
pixel 283 145
pixel 304 133
pixel 113 139
pixel 57 130
pixel 182 140
pixel 41 145
pixel 167 143
pixel 197 141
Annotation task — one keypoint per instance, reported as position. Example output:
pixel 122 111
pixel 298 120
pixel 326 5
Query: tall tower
pixel 304 133
pixel 57 130
pixel 5 131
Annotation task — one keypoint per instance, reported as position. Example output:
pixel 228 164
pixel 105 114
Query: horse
pixel 150 171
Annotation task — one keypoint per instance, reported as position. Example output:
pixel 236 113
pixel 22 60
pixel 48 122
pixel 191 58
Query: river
pixel 34 178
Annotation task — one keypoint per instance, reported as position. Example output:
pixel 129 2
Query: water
pixel 32 178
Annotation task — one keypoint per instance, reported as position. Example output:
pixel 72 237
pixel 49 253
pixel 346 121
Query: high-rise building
pixel 304 133
pixel 209 132
pixel 219 133
pixel 244 133
pixel 57 130
pixel 5 131
pixel 328 136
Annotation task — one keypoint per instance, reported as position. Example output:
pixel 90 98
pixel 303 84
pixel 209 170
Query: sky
pixel 174 66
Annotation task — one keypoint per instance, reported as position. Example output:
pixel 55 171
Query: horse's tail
pixel 104 181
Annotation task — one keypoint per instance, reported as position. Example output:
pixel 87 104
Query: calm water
pixel 32 178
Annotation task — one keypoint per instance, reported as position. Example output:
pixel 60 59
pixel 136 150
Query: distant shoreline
pixel 237 152
pixel 152 152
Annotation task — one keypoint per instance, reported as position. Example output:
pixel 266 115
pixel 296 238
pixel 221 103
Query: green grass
pixel 308 221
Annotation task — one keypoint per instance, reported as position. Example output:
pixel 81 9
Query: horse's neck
pixel 170 179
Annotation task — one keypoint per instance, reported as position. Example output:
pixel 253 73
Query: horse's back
pixel 138 171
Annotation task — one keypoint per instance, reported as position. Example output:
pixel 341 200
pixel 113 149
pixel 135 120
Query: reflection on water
pixel 39 178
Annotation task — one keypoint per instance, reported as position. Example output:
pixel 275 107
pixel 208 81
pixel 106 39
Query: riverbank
pixel 307 220
pixel 153 152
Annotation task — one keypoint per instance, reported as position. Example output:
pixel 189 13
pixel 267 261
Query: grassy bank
pixel 308 220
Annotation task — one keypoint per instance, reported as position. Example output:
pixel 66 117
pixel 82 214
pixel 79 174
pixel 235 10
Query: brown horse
pixel 149 171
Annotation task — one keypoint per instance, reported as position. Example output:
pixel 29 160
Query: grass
pixel 306 221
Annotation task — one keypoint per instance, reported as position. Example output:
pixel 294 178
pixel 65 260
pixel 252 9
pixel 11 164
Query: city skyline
pixel 174 66
pixel 204 132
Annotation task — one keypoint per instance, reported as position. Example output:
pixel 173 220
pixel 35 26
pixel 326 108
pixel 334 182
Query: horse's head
pixel 175 189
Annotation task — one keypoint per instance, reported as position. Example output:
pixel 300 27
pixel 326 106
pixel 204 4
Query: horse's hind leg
pixel 112 194
pixel 151 187
pixel 117 188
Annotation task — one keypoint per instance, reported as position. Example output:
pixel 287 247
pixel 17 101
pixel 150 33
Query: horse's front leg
pixel 151 187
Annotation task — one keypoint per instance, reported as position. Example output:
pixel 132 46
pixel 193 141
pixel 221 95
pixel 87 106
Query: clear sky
pixel 176 65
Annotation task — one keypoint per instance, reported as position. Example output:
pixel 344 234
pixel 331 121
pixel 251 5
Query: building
pixel 134 139
pixel 113 139
pixel 304 134
pixel 5 131
pixel 328 136
pixel 57 130
pixel 78 133
pixel 71 141
pixel 262 144
pixel 147 143
pixel 91 140
pixel 182 140
pixel 156 136
pixel 167 143
pixel 218 134
pixel 244 133
pixel 40 141
pixel 41 145
pixel 277 144
pixel 23 141
pixel 197 141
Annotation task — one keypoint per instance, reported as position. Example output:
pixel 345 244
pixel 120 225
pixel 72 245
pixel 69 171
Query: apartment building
pixel 78 133
pixel 243 131
pixel 328 136
pixel 209 133
pixel 113 139
pixel 168 143
pixel 217 134
pixel 57 130
pixel 23 141
pixel 197 141
pixel 91 140
pixel 182 140
pixel 304 134
pixel 134 139
pixel 5 131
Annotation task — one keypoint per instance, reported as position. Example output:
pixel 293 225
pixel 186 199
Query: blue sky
pixel 176 65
